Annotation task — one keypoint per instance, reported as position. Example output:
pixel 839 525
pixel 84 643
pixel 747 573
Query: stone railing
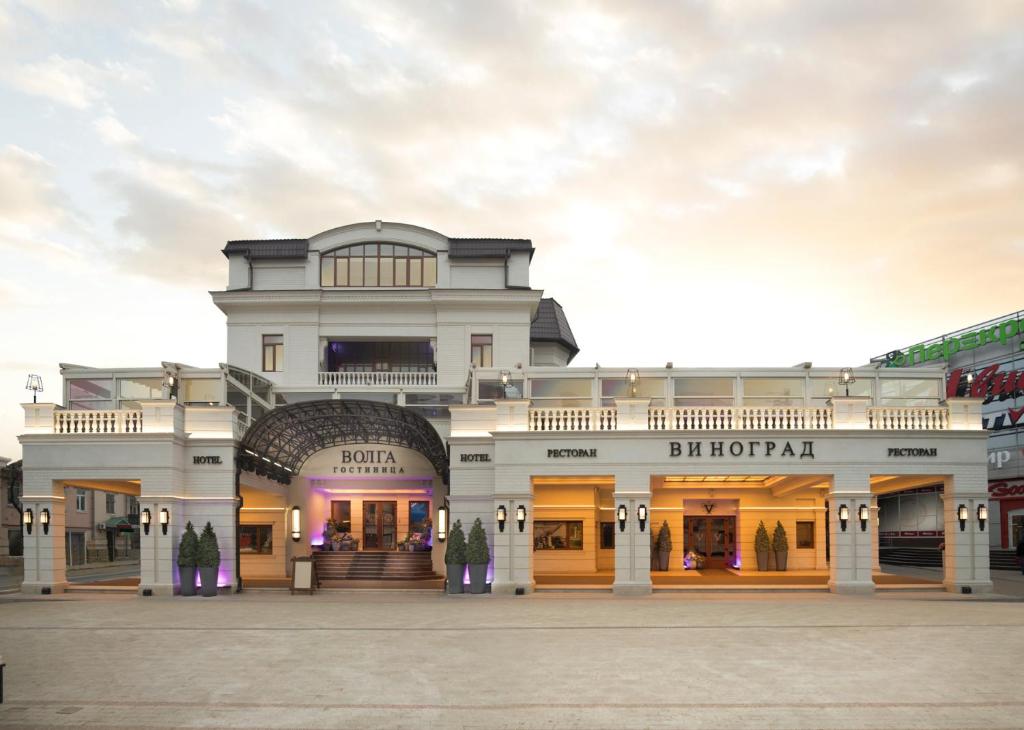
pixel 377 379
pixel 743 418
pixel 908 418
pixel 573 419
pixel 121 421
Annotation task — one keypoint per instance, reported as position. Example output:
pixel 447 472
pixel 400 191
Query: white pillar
pixel 966 554
pixel 851 557
pixel 513 548
pixel 876 564
pixel 159 552
pixel 44 559
pixel 632 547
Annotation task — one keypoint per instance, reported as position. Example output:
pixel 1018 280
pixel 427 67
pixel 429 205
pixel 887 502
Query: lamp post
pixel 35 384
pixel 632 376
pixel 845 378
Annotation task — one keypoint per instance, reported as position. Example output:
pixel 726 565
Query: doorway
pixel 380 525
pixel 712 537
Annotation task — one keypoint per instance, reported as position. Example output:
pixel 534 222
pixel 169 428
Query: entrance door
pixel 712 537
pixel 380 525
pixel 1016 530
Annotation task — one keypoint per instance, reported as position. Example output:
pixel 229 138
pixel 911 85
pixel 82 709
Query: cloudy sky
pixel 731 183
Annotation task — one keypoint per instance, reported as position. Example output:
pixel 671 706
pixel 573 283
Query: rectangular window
pixel 273 353
pixel 429 271
pixel 141 388
pixel 560 535
pixel 773 392
pixel 402 272
pixel 80 500
pixel 341 272
pixel 110 504
pixel 341 514
pixel 607 535
pixel 256 539
pixel 327 271
pixel 201 390
pixel 387 271
pixel 704 391
pixel 370 271
pixel 481 350
pixel 612 388
pixel 355 271
pixel 824 388
pixel 133 506
pixel 567 392
pixel 804 535
pixel 415 272
pixel 909 392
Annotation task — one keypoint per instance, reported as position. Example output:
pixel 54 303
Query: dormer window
pixel 378 265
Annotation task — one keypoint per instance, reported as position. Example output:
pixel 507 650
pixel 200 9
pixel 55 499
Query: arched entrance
pixel 367 478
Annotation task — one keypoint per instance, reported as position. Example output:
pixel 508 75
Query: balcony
pixel 377 379
pixel 151 417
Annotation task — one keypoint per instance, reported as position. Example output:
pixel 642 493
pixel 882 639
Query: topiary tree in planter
pixel 762 546
pixel 455 557
pixel 208 560
pixel 664 545
pixel 478 557
pixel 780 545
pixel 188 559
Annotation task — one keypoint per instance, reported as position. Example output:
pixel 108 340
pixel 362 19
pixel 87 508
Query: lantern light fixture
pixel 846 377
pixel 961 515
pixel 505 377
pixel 442 523
pixel 632 377
pixel 970 377
pixel 44 520
pixel 146 518
pixel 622 518
pixel 982 516
pixel 862 514
pixel 844 516
pixel 501 515
pixel 641 516
pixel 296 523
pixel 521 517
pixel 35 384
pixel 165 520
pixel 26 519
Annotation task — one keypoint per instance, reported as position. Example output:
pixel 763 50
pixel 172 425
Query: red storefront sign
pixel 1009 493
pixel 1006 489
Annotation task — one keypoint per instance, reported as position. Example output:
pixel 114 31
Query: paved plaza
pixel 419 660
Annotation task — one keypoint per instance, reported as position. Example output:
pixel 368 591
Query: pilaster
pixel 632 545
pixel 852 548
pixel 966 552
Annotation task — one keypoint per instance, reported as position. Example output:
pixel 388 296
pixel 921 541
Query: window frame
pixel 796 533
pixel 276 350
pixel 481 348
pixel 372 257
pixel 260 527
pixel 568 533
pixel 111 503
pixel 603 544
pixel 80 504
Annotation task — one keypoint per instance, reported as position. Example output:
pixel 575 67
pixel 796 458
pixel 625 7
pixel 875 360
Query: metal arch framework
pixel 278 444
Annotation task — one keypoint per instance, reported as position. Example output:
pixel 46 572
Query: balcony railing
pixel 573 419
pixel 120 421
pixel 744 418
pixel 377 379
pixel 908 418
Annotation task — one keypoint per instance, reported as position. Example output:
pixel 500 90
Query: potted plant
pixel 780 545
pixel 762 546
pixel 208 561
pixel 478 556
pixel 188 554
pixel 664 545
pixel 455 557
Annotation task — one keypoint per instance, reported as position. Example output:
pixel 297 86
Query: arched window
pixel 378 264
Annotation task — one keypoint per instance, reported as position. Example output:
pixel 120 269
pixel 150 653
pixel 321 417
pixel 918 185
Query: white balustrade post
pixel 632 413
pixel 965 413
pixel 850 412
pixel 39 417
pixel 512 415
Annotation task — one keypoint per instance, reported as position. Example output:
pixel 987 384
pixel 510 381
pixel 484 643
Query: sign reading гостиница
pixel 999 333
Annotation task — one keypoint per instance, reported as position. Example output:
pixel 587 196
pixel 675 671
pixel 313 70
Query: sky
pixel 712 184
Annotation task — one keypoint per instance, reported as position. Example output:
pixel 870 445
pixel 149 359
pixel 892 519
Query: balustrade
pixel 573 419
pixel 377 379
pixel 908 418
pixel 121 421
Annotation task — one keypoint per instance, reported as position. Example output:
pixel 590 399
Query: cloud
pixel 112 131
pixel 73 82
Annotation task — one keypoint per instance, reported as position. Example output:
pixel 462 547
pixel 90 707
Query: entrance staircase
pixel 352 569
pixel 932 558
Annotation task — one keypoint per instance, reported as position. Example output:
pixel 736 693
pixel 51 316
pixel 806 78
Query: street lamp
pixel 632 376
pixel 442 523
pixel 846 377
pixel 35 384
pixel 961 515
pixel 26 520
pixel 982 516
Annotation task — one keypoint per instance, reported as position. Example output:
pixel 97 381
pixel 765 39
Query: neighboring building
pixel 984 361
pixel 10 514
pixel 383 380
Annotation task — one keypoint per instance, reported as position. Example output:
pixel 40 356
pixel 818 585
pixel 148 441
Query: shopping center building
pixel 384 380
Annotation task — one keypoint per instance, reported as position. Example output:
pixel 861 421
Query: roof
pixel 479 248
pixel 278 248
pixel 551 325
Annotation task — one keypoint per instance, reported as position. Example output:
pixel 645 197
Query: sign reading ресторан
pixel 741 448
pixel 913 452
pixel 572 453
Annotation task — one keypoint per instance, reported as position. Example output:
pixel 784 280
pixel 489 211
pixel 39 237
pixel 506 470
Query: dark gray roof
pixel 486 248
pixel 551 325
pixel 279 248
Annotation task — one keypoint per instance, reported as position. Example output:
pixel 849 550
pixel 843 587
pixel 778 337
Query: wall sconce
pixel 171 383
pixel 961 514
pixel 844 516
pixel 145 517
pixel 502 515
pixel 44 520
pixel 296 523
pixel 982 516
pixel 846 377
pixel 26 520
pixel 521 517
pixel 442 523
pixel 505 377
pixel 165 520
pixel 35 384
pixel 862 514
pixel 641 515
pixel 632 376
pixel 622 518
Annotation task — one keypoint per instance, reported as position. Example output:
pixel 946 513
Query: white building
pixel 389 379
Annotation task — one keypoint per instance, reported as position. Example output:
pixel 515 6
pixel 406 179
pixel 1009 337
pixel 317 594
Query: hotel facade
pixel 384 380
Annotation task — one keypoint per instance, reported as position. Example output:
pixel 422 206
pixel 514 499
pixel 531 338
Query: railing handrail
pixel 377 378
pixel 739 418
pixel 909 418
pixel 583 418
pixel 123 420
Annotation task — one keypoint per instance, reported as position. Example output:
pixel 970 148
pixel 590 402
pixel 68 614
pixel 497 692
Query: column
pixel 876 564
pixel 44 558
pixel 852 548
pixel 632 546
pixel 159 552
pixel 966 554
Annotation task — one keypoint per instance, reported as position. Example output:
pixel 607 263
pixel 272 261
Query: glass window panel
pixel 387 249
pixel 419 515
pixel 256 539
pixel 354 251
pixel 909 388
pixel 371 250
pixel 327 271
pixel 91 388
pixel 341 515
pixel 387 271
pixel 201 390
pixel 355 270
pixel 829 387
pixel 645 388
pixel 493 389
pixel 91 405
pixel 430 271
pixel 560 535
pixel 415 272
pixel 607 535
pixel 141 388
pixel 415 253
pixel 705 387
pixel 342 272
pixel 804 535
pixel 773 387
pixel 370 272
pixel 401 272
pixel 560 388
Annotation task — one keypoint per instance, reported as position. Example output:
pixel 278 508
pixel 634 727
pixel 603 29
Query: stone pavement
pixel 266 659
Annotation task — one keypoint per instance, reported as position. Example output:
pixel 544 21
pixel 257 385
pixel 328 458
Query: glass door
pixel 380 525
pixel 712 537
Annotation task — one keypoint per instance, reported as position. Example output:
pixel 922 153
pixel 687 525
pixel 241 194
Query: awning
pixel 121 524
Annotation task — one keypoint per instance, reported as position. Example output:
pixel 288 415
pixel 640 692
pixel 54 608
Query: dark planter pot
pixel 780 559
pixel 188 580
pixel 456 574
pixel 208 578
pixel 762 562
pixel 663 559
pixel 478 578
